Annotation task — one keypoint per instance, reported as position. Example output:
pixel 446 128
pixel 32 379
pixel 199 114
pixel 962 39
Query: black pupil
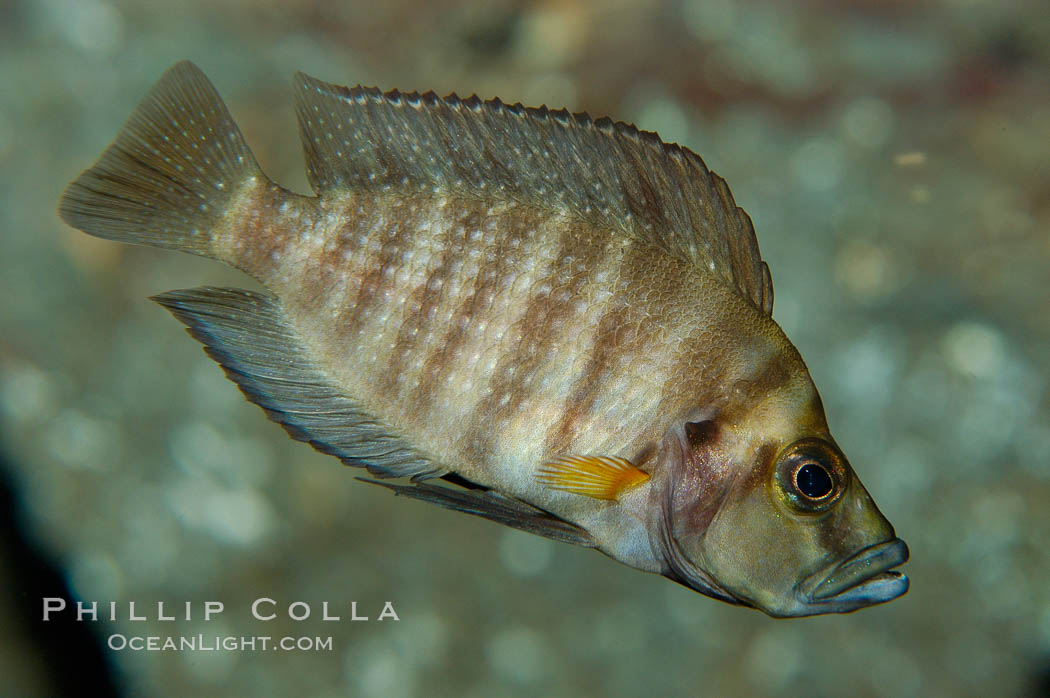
pixel 813 481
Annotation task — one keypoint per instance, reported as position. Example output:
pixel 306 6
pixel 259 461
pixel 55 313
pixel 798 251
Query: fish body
pixel 568 320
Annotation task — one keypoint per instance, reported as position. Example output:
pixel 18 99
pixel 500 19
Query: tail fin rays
pixel 172 170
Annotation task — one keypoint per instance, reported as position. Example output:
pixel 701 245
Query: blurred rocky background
pixel 895 157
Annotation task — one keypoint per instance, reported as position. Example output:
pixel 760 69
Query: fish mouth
pixel 863 579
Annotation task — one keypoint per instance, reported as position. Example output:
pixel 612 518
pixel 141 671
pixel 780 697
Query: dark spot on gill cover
pixel 699 433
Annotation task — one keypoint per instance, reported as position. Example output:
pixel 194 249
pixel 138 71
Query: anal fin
pixel 249 336
pixel 494 507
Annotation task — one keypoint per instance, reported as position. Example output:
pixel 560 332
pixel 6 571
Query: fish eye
pixel 811 475
pixel 812 480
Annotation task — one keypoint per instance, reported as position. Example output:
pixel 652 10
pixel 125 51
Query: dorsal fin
pixel 621 179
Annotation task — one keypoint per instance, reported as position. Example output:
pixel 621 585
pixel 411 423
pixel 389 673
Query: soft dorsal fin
pixel 621 179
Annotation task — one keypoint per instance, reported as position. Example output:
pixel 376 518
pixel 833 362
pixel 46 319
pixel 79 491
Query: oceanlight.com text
pixel 217 643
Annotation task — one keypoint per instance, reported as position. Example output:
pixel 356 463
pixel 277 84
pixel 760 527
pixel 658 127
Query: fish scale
pixel 549 356
pixel 565 319
pixel 419 364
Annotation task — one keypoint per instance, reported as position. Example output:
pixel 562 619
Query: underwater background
pixel 895 159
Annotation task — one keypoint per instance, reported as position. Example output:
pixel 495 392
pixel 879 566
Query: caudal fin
pixel 171 172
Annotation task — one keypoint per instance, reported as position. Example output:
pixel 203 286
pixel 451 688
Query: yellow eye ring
pixel 811 475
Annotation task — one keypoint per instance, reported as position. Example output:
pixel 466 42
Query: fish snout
pixel 863 579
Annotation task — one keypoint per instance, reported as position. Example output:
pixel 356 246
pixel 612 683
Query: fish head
pixel 784 526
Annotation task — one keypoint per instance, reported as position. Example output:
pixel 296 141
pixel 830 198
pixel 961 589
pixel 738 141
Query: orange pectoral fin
pixel 600 477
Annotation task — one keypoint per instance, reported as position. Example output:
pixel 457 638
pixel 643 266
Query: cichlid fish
pixel 557 323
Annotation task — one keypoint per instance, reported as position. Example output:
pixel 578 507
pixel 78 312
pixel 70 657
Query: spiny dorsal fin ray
pixel 621 179
pixel 247 334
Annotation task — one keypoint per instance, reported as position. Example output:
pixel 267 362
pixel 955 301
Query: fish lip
pixel 863 579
